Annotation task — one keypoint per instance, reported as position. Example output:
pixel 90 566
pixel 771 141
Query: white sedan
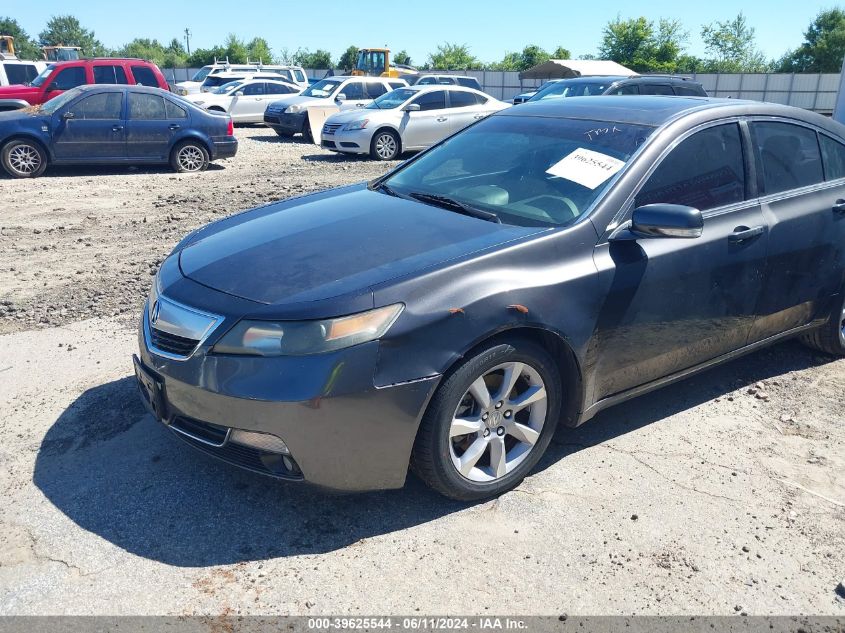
pixel 245 100
pixel 406 119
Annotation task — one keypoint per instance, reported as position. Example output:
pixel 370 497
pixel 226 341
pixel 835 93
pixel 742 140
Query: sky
pixel 490 29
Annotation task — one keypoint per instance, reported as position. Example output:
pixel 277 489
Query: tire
pixel 306 132
pixel 829 338
pixel 385 145
pixel 523 434
pixel 189 157
pixel 23 158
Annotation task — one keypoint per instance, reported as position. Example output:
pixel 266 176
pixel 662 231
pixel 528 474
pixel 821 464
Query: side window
pixel 689 91
pixel 300 76
pixel 105 105
pixel 445 81
pixel 630 89
pixel 395 84
pixel 375 89
pixel 254 89
pixel 284 74
pixel 109 75
pixel 656 89
pixel 833 154
pixel 69 78
pixel 146 106
pixel 427 81
pixel 435 100
pixel 469 82
pixel 174 111
pixel 20 73
pixel 274 88
pixel 144 76
pixel 787 154
pixel 459 99
pixel 705 171
pixel 353 91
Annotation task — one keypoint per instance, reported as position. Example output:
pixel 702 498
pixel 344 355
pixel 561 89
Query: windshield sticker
pixel 586 167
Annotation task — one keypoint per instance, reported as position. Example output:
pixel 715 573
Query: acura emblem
pixel 155 311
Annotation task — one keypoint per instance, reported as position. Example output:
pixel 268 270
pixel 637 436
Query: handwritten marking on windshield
pixel 591 134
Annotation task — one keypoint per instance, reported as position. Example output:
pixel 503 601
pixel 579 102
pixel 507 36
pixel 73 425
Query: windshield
pixel 322 89
pixel 529 171
pixel 392 99
pixel 227 88
pixel 215 81
pixel 572 89
pixel 45 74
pixel 57 102
pixel 201 74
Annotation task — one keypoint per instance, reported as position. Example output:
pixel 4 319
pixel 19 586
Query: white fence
pixel 811 91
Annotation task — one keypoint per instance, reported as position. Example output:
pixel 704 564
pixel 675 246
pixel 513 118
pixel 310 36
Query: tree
pixel 731 47
pixel 450 56
pixel 235 50
pixel 823 48
pixel 65 30
pixel 561 53
pixel 25 46
pixel 349 59
pixel 175 54
pixel 285 56
pixel 637 44
pixel 403 58
pixel 318 59
pixel 204 56
pixel 143 48
pixel 530 56
pixel 258 49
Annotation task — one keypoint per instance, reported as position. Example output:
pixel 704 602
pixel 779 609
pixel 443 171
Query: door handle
pixel 839 206
pixel 440 119
pixel 116 128
pixel 175 126
pixel 743 233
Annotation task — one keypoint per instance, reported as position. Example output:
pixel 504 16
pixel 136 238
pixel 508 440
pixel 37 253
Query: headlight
pixel 357 125
pixel 294 109
pixel 299 338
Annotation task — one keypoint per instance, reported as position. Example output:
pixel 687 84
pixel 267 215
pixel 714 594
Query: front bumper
pixel 342 431
pixel 354 142
pixel 285 122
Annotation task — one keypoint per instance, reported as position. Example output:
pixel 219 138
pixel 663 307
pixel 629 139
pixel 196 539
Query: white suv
pixel 292 74
pixel 16 71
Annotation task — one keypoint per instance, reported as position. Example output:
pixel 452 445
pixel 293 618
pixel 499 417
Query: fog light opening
pixel 262 441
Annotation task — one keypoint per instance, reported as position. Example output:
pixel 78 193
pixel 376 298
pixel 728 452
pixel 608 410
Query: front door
pixel 428 125
pixel 65 79
pixel 674 303
pixel 90 129
pixel 250 105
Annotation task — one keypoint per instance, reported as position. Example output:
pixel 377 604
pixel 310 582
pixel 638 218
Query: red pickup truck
pixel 63 76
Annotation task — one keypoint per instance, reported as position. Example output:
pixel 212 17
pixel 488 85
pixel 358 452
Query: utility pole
pixel 188 40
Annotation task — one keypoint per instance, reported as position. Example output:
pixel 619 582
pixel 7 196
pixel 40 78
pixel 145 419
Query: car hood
pixel 297 99
pixel 340 242
pixel 362 113
pixel 18 91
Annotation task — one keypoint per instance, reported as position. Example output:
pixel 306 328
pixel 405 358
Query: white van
pixel 291 74
pixel 16 71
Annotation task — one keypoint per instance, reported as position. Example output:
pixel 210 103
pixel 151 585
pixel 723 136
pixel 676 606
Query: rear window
pixel 146 107
pixel 656 89
pixel 469 82
pixel 20 73
pixel 174 111
pixel 833 154
pixel 144 76
pixel 788 154
pixel 459 99
pixel 689 91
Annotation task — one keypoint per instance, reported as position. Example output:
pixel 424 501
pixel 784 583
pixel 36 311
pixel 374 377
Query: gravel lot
pixel 724 494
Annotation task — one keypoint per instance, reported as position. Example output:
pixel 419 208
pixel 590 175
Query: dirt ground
pixel 724 494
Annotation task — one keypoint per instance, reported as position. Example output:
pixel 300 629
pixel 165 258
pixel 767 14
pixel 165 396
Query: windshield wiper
pixel 384 188
pixel 453 205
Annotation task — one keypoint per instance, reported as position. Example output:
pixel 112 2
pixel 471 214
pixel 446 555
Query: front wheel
pixel 385 145
pixel 306 132
pixel 830 338
pixel 189 157
pixel 22 158
pixel 489 422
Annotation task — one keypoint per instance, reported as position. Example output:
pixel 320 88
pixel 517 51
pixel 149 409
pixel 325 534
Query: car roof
pixel 656 110
pixel 430 87
pixel 363 78
pixel 149 89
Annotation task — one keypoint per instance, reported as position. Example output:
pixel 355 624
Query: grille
pixel 331 128
pixel 246 457
pixel 202 430
pixel 172 344
pixel 329 144
pixel 271 119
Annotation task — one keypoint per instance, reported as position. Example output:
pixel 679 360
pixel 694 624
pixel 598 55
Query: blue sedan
pixel 112 124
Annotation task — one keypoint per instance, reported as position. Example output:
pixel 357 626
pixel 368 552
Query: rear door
pixel 807 234
pixel 91 129
pixel 430 124
pixel 675 303
pixel 109 74
pixel 463 110
pixel 148 130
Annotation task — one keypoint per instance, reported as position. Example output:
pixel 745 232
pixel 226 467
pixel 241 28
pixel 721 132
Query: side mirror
pixel 68 115
pixel 412 107
pixel 239 93
pixel 340 97
pixel 667 220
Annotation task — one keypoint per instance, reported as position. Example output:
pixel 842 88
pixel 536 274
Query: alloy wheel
pixel 24 159
pixel 842 326
pixel 191 158
pixel 497 422
pixel 385 146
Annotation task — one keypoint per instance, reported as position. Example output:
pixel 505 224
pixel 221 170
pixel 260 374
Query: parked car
pixel 61 76
pixel 289 116
pixel 522 97
pixel 291 74
pixel 282 73
pixel 406 119
pixel 448 80
pixel 245 101
pixel 616 85
pixel 548 262
pixel 14 71
pixel 113 124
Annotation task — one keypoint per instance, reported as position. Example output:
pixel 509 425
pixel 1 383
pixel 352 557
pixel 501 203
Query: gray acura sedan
pixel 548 262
